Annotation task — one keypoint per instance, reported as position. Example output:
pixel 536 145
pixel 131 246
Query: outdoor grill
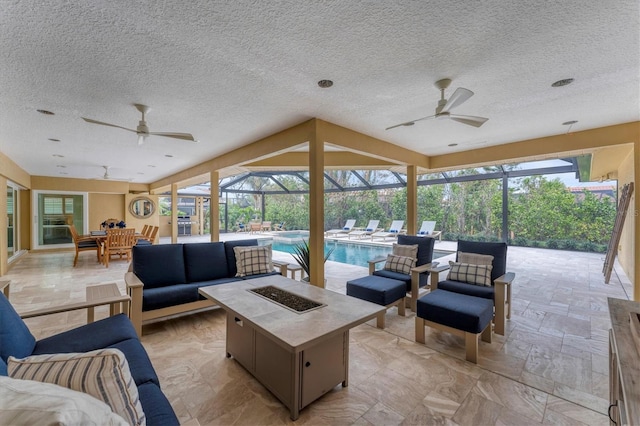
pixel 184 225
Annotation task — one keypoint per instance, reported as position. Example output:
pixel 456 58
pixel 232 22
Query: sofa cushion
pixel 139 362
pixel 159 265
pixel 27 402
pixel 89 337
pixel 395 276
pixel 462 312
pixel 103 374
pixel 470 289
pixel 253 260
pixel 162 297
pixel 231 255
pixel 15 338
pixel 205 262
pixel 374 289
pixel 3 367
pixel 156 406
pixel 471 274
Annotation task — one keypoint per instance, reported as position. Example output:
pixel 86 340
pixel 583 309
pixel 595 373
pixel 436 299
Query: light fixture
pixel 141 138
pixel 563 82
pixel 325 84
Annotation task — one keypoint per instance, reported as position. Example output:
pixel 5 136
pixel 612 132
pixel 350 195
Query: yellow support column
pixel 412 200
pixel 174 213
pixel 214 207
pixel 316 206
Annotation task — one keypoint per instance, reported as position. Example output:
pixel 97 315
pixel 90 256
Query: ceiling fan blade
pixel 468 119
pixel 89 120
pixel 183 136
pixel 410 123
pixel 459 97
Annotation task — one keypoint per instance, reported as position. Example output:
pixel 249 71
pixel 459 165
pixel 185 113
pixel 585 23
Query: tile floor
pixel 550 368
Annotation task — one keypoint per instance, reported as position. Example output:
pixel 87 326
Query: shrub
pixel 553 244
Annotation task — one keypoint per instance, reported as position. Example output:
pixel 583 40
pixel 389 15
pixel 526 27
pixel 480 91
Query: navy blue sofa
pixel 113 332
pixel 419 275
pixel 164 279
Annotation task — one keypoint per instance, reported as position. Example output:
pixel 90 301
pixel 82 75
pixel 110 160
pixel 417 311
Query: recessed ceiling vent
pixel 561 83
pixel 325 84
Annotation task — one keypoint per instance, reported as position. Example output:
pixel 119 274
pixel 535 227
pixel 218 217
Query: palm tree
pixel 302 255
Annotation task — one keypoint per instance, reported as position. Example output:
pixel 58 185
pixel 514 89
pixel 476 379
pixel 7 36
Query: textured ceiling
pixel 233 72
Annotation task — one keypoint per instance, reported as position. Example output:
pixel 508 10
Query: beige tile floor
pixel 550 368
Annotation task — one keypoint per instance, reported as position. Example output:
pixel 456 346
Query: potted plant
pixel 302 254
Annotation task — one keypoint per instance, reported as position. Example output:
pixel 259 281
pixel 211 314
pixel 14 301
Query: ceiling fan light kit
pixel 460 96
pixel 143 130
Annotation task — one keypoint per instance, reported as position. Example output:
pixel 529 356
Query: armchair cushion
pixel 475 258
pixel 497 250
pixel 159 265
pixel 103 374
pixel 464 288
pixel 469 273
pixel 406 250
pixel 15 337
pixel 28 402
pixel 425 247
pixel 400 264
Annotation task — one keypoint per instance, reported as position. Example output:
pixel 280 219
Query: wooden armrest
pixel 373 262
pixel 5 286
pixel 427 267
pixel 132 280
pixel 506 278
pixel 283 266
pixel 73 306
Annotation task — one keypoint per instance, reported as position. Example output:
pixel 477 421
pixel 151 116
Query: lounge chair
pixel 279 226
pixel 370 229
pixel 394 230
pixel 427 230
pixel 348 226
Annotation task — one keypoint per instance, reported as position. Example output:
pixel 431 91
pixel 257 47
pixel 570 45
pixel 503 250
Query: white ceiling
pixel 233 72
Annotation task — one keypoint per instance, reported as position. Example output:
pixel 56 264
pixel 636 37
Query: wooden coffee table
pixel 297 356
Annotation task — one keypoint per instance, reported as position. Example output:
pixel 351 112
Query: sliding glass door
pixel 55 212
pixel 12 229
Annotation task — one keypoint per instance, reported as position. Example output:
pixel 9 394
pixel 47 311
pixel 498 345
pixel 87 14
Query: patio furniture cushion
pixel 29 402
pixel 474 258
pixel 15 338
pixel 471 274
pixel 205 262
pixel 103 374
pixel 163 297
pixel 253 260
pixel 401 264
pixel 155 405
pixel 159 265
pixel 425 247
pixel 405 250
pixel 459 311
pixel 374 289
pixel 497 250
pixel 464 288
pixel 232 268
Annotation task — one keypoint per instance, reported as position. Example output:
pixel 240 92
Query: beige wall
pixel 103 207
pixel 626 249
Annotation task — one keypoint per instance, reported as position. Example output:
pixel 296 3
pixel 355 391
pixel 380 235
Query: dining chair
pixel 148 238
pixel 145 230
pixel 83 243
pixel 118 242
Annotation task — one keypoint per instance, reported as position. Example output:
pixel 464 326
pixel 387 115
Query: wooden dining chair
pixel 118 242
pixel 150 237
pixel 145 230
pixel 83 243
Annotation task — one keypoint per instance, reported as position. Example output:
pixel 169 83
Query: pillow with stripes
pixel 103 374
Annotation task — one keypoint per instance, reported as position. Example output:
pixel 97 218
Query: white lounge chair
pixel 427 230
pixel 348 226
pixel 394 230
pixel 370 229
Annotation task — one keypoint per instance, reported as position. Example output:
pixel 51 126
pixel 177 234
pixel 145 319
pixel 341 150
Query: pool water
pixel 350 253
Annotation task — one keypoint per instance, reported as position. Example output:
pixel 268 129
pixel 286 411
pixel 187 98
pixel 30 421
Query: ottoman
pixel 379 290
pixel 455 313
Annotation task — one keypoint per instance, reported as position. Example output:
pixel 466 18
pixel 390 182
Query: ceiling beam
pixel 341 160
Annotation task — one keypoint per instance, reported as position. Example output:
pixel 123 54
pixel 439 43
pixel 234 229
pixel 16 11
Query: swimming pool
pixel 349 253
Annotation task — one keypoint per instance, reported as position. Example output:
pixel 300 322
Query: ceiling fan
pixel 107 176
pixel 445 105
pixel 143 130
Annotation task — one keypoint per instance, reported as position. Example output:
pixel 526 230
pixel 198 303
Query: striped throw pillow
pixel 405 250
pixel 469 273
pixel 103 374
pixel 253 260
pixel 400 264
pixel 475 258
